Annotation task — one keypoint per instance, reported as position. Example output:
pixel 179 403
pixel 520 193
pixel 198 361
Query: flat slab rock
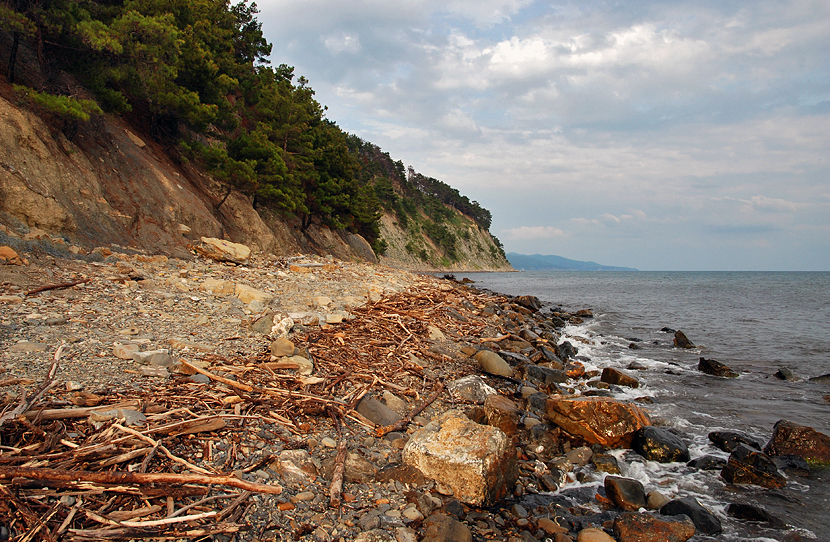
pixel 599 420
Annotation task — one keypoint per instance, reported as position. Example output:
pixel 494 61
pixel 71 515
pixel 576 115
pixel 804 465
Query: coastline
pixel 368 332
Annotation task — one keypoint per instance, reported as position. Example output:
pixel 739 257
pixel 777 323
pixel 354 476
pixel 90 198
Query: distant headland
pixel 539 262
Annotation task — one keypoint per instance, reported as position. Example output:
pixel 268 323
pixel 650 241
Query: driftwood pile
pixel 127 465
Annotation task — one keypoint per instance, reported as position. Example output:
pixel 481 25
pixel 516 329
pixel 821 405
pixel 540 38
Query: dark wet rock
pixel 513 358
pixel 789 438
pixel 613 376
pixel 681 341
pixel 605 463
pixel 377 412
pixel 749 466
pixel 637 366
pixel 707 462
pixel 659 444
pixel 557 322
pixel 715 368
pixel 566 350
pixel 598 420
pixel 704 520
pixel 545 375
pixel 823 379
pixel 751 512
pixel 537 402
pixel 529 335
pixel 625 493
pixel 574 369
pixel 634 346
pixel 668 330
pixel 551 357
pixel 529 302
pixel 630 527
pixel 785 374
pixel 792 464
pixel 729 440
pixel 441 528
pixel 585 313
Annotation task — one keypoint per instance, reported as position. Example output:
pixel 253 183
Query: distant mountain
pixel 538 262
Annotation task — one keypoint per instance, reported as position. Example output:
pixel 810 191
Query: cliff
pixel 112 184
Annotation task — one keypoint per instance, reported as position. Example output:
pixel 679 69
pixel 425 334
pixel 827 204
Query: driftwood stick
pixel 57 286
pixel 398 426
pixel 222 379
pixel 336 489
pixel 496 339
pixel 48 475
pixel 26 403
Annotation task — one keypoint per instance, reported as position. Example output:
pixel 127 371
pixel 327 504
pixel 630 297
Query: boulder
pixel 716 368
pixel 823 379
pixel 492 363
pixel 477 462
pixel 707 462
pixel 613 376
pixel 656 500
pixel 785 374
pixel 660 444
pixel 223 251
pixel 631 527
pixel 247 295
pixel 218 287
pixel 529 302
pixel 749 466
pixel 750 512
pixel 503 413
pixel 705 521
pixel 566 350
pixel 729 440
pixel 681 341
pixel 282 347
pixel 605 463
pixel 9 255
pixel 789 438
pixel 598 420
pixel 545 375
pixel 471 388
pixel 593 534
pixel 626 493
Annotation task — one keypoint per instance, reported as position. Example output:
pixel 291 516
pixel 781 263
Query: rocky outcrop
pixel 619 378
pixel 789 438
pixel 598 420
pixel 681 341
pixel 715 368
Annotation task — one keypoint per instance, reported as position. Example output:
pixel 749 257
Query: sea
pixel 754 322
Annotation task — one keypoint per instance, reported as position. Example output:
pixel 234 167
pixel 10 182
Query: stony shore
pixel 442 410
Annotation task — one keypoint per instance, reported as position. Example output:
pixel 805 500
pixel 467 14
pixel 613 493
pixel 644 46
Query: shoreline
pixel 395 342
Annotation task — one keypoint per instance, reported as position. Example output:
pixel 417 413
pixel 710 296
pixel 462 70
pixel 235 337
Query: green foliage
pixel 66 108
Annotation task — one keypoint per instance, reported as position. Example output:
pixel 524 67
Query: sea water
pixel 755 323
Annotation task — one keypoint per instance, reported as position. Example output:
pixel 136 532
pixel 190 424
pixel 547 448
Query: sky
pixel 671 135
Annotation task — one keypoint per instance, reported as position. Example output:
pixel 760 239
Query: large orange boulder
pixel 598 420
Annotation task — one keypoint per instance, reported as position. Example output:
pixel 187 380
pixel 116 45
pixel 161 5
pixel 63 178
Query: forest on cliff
pixel 195 75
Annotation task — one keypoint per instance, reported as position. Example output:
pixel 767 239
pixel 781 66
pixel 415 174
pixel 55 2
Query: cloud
pixel 342 43
pixel 534 232
pixel 775 205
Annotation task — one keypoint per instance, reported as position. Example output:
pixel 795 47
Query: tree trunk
pixel 13 57
pixel 228 193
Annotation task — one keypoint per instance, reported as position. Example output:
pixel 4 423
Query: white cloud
pixel 533 232
pixel 342 43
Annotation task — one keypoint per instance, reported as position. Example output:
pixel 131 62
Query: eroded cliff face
pixel 111 185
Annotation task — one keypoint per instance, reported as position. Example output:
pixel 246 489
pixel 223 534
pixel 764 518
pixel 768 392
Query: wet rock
pixel 574 369
pixel 492 363
pixel 716 368
pixel 223 251
pixel 729 440
pixel 550 526
pixel 750 512
pixel 566 350
pixel 613 376
pixel 785 374
pixel 579 457
pixel 605 463
pixel 471 388
pixel 544 375
pixel 668 330
pixel 513 358
pixel 705 521
pixel 792 464
pixel 377 412
pixel 585 313
pixel 529 302
pixel 707 462
pixel 441 528
pixel 598 420
pixel 659 444
pixel 626 493
pixel 503 413
pixel 823 379
pixel 749 466
pixel 789 438
pixel 476 461
pixel 681 341
pixel 652 528
pixel 551 357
